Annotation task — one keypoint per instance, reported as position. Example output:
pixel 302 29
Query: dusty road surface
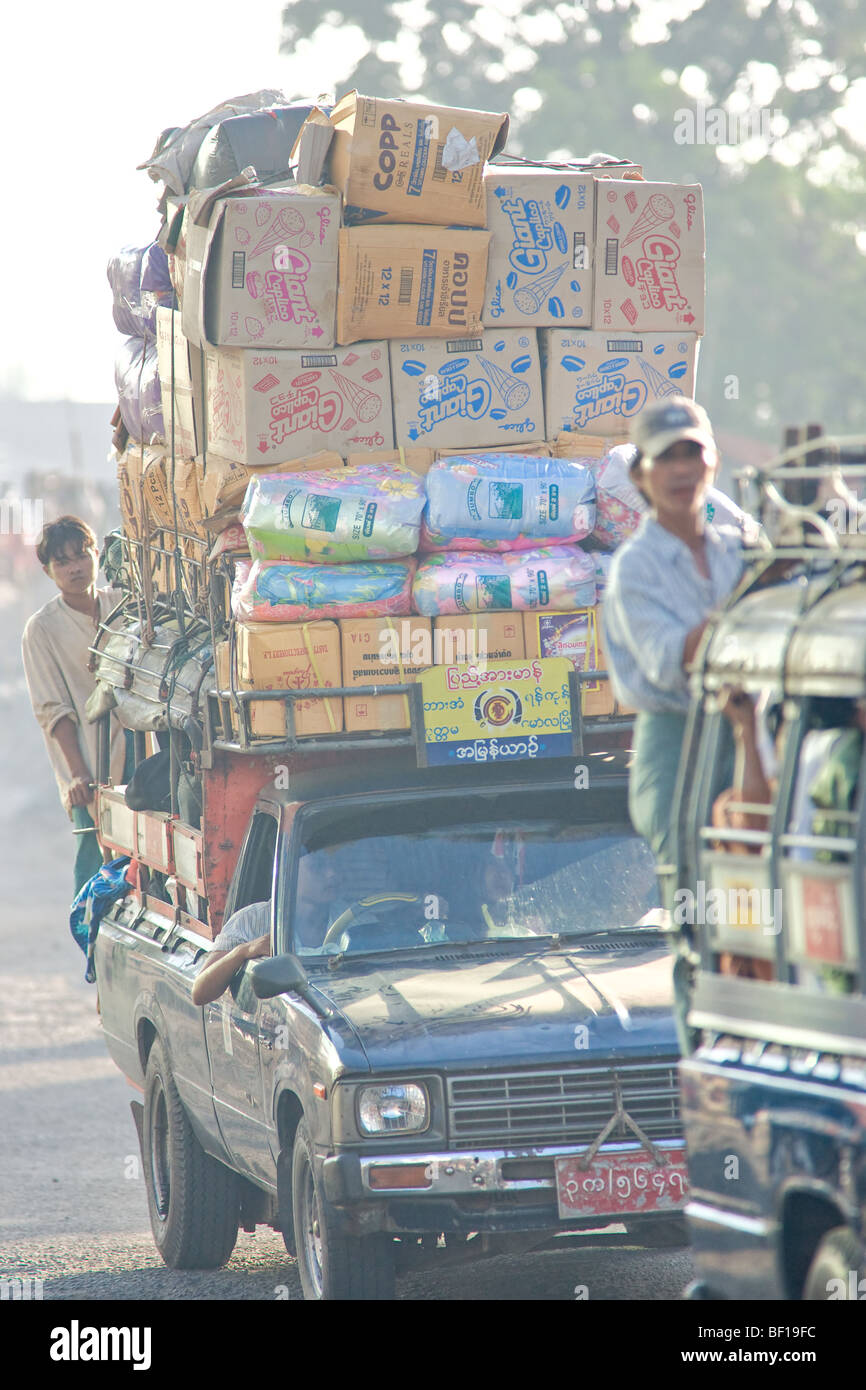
pixel 73 1210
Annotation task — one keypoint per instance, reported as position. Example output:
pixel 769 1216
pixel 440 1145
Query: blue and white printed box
pixel 480 392
pixel 596 382
pixel 540 269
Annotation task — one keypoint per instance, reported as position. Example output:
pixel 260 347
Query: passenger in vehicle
pixel 245 936
pixel 751 786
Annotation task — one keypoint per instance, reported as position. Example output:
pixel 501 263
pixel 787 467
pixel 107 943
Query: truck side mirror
pixel 282 975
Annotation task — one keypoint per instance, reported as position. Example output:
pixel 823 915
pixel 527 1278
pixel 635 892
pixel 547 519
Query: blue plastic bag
pixel 91 904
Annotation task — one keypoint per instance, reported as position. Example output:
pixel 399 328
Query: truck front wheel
pixel 333 1266
pixel 837 1269
pixel 194 1201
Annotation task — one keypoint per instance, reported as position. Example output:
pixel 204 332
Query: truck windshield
pixel 462 882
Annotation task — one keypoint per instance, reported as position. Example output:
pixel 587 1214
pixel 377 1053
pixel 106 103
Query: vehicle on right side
pixel 772 901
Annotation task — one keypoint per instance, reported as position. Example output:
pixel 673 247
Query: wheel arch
pixel 805 1218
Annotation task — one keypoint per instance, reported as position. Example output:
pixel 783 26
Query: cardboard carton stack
pixel 404 301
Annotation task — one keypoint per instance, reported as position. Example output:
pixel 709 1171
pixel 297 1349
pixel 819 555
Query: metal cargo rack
pixel 227 710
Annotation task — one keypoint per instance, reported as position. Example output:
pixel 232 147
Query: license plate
pixel 621 1182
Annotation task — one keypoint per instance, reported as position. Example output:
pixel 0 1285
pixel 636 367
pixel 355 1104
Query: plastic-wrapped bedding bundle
pixel 603 561
pixel 506 502
pixel 140 283
pixel 619 507
pixel 371 512
pixel 558 577
pixel 136 377
pixel 281 592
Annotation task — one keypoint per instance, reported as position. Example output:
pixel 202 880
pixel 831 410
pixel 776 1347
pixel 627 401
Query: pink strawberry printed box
pixel 262 270
pixel 269 408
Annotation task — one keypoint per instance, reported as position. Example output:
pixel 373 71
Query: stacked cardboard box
pixel 408 301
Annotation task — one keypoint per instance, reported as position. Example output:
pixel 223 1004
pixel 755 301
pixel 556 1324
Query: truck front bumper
pixel 487 1190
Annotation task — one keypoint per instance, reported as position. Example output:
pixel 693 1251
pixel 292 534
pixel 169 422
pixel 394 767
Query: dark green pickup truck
pixel 468 1049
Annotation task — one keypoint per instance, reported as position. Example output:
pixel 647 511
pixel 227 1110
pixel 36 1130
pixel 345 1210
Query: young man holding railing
pixel 56 651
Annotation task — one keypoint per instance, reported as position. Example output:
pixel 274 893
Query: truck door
pixel 232 1022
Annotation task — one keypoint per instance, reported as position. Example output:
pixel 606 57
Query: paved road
pixel 73 1209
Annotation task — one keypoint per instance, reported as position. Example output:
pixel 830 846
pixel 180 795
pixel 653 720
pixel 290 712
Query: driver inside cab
pixel 247 936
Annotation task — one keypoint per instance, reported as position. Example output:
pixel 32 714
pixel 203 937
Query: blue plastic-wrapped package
pixel 136 377
pixel 505 502
pixel 281 592
pixel 554 576
pixel 371 512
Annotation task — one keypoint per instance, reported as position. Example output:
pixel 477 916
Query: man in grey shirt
pixel 245 936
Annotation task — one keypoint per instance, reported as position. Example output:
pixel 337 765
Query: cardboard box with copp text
pixel 383 651
pixel 407 161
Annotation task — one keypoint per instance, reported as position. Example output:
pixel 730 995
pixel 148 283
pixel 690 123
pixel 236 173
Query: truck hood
pixel 477 1005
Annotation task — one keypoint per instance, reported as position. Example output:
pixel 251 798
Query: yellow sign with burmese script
pixel 497 711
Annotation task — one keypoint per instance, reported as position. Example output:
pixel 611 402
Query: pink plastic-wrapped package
pixel 277 591
pixel 619 507
pixel 558 577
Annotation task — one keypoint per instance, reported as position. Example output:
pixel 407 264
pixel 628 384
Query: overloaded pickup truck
pixel 462 1042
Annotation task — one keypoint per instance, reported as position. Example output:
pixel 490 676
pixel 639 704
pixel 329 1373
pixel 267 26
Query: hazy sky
pixel 85 90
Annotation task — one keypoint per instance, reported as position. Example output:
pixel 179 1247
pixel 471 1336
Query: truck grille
pixel 534 1108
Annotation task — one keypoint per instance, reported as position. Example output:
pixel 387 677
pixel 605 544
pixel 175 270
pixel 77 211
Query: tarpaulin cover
pixel 554 576
pixel 140 283
pixel 281 592
pixel 371 512
pixel 136 376
pixel 175 153
pixel 506 502
pixel 263 139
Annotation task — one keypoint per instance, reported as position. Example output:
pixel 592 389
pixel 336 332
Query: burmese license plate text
pixel 621 1182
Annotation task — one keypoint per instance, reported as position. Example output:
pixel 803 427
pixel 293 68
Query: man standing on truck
pixel 664 582
pixel 56 651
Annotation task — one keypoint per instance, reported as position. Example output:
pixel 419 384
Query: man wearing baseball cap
pixel 664 582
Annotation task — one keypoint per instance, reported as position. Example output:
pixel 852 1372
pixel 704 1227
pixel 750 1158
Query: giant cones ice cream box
pixel 265 408
pixel 468 393
pixel 649 257
pixel 261 268
pixel 539 269
pixel 403 161
pixel 596 382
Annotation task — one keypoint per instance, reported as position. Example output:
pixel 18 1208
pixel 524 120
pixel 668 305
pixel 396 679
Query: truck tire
pixel 194 1201
pixel 839 1257
pixel 333 1266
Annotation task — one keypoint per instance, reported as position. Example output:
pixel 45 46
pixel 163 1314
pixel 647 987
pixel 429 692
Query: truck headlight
pixel 393 1109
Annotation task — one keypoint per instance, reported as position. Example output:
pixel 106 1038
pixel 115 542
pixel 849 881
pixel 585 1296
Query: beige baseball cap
pixel 669 421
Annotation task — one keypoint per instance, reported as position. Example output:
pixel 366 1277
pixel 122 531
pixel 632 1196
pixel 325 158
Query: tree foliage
pixel 784 209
